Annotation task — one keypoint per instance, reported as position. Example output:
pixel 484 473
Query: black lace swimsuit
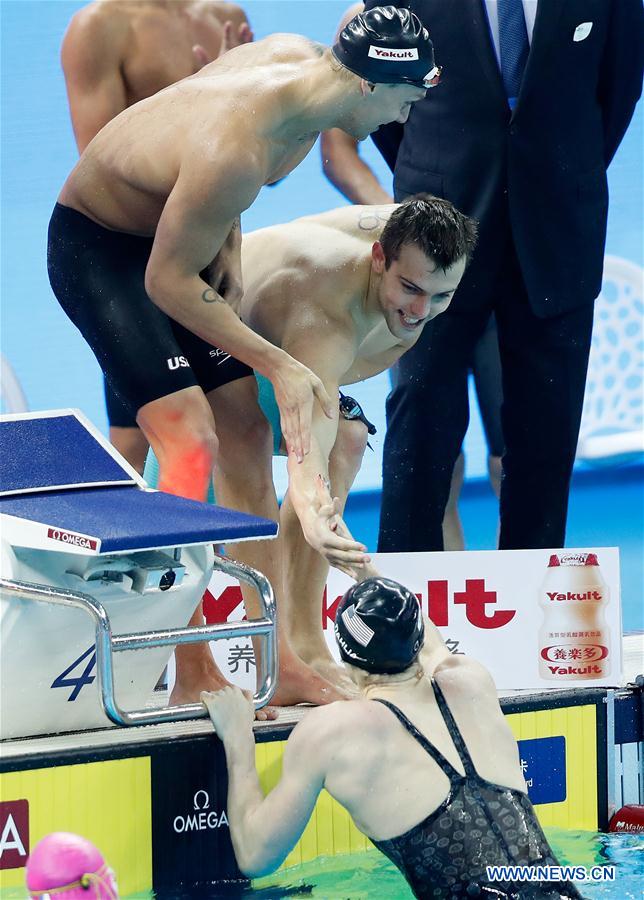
pixel 478 824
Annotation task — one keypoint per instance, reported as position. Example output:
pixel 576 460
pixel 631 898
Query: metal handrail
pixel 107 644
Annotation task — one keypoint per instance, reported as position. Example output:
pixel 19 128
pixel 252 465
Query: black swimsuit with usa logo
pixel 98 277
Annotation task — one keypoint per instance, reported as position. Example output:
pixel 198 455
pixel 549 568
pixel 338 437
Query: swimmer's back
pixel 365 223
pixel 285 265
pixel 418 782
pixel 150 44
pixel 127 172
pixel 394 772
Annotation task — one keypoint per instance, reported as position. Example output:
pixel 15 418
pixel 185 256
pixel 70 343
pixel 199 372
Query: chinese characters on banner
pixel 534 618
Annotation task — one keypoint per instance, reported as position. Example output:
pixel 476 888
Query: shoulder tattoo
pixel 371 219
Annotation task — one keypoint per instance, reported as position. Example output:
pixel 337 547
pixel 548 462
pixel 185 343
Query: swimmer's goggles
pixel 351 409
pixel 433 77
pixel 431 80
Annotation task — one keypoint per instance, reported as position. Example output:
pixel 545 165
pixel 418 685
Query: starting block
pixel 93 563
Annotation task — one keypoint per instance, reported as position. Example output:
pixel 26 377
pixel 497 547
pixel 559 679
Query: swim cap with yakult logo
pixel 379 626
pixel 387 45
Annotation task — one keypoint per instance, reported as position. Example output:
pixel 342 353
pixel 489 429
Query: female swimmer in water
pixel 441 809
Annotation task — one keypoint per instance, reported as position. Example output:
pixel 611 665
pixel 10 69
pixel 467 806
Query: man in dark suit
pixel 533 103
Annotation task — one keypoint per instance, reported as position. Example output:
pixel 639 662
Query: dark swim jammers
pixel 98 277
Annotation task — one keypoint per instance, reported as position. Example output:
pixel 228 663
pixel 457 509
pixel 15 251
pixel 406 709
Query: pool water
pixel 369 876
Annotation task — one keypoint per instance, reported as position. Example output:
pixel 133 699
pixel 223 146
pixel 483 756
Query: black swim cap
pixel 379 626
pixel 387 45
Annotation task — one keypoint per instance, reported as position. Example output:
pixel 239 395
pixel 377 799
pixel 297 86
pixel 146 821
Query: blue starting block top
pixel 60 475
pixel 123 518
pixel 54 452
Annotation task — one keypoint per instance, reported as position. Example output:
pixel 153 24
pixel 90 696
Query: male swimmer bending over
pixel 346 293
pixel 143 258
pixel 441 810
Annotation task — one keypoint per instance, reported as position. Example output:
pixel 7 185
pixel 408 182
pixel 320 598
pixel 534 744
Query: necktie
pixel 513 46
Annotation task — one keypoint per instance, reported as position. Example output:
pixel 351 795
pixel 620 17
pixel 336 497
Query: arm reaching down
pixel 328 347
pixel 434 651
pixel 331 538
pixel 209 195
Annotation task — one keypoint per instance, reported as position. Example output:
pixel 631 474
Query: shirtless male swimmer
pixel 143 257
pixel 117 52
pixel 346 293
pixel 423 761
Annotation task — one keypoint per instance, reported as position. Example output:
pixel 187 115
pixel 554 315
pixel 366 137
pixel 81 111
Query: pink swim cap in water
pixel 70 867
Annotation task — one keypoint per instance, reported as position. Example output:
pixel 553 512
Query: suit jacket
pixel 542 168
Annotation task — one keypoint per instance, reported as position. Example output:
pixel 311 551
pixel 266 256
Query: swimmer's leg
pixel 125 435
pixel 181 431
pixel 453 537
pixel 244 481
pixel 306 571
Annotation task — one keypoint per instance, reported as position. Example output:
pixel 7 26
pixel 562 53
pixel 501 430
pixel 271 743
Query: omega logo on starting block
pixel 68 537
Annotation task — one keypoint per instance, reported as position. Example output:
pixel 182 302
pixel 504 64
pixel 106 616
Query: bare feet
pixel 296 683
pixel 266 714
pixel 197 672
pixel 212 680
pixel 299 683
pixel 317 656
pixel 192 680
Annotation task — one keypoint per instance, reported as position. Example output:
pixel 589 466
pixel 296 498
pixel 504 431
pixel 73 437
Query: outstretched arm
pixel 327 347
pixel 193 227
pixel 264 829
pixel 91 56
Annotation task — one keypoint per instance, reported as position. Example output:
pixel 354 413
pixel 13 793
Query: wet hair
pixel 433 224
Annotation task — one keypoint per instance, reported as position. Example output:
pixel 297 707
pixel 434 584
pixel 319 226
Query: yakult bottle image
pixel 573 640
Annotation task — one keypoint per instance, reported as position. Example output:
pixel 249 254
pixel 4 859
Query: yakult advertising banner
pixel 535 618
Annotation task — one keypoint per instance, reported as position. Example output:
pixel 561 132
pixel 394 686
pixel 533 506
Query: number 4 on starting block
pixel 85 677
